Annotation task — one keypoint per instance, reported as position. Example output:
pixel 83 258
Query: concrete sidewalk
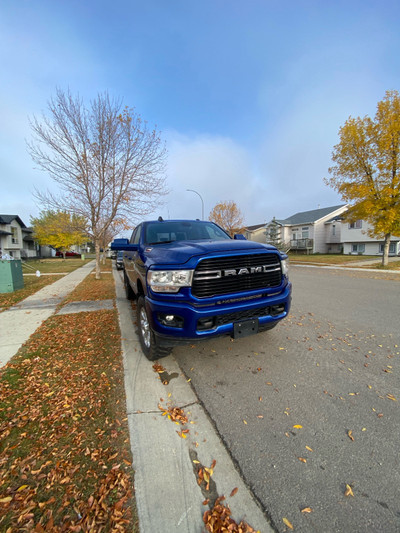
pixel 19 322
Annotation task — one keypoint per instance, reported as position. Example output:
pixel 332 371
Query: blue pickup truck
pixel 193 281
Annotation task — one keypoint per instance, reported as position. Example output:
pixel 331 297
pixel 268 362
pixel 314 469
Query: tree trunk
pixel 385 257
pixel 98 268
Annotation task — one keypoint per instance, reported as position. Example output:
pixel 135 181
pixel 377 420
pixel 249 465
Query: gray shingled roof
pixel 7 219
pixel 309 217
pixel 252 228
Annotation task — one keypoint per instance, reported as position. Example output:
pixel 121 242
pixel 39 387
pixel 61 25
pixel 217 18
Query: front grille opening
pixel 277 309
pixel 227 275
pixel 209 323
pixel 205 324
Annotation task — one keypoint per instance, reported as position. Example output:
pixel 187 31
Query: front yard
pixel 65 459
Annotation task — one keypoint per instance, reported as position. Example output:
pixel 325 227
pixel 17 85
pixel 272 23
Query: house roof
pixel 2 232
pixel 7 219
pixel 309 217
pixel 253 228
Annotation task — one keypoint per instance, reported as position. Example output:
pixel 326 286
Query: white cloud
pixel 219 169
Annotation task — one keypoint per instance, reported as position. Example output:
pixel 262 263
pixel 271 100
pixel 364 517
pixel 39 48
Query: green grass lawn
pixel 340 259
pixel 53 265
pixel 329 259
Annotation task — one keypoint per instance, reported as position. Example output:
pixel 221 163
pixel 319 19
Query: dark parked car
pixel 120 260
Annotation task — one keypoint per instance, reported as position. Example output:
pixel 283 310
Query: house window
pixel 305 233
pixel 14 235
pixel 333 230
pixel 357 248
pixel 392 248
pixel 355 225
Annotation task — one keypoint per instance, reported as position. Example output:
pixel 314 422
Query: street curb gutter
pixel 168 497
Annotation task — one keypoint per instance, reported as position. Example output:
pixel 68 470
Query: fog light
pixel 172 321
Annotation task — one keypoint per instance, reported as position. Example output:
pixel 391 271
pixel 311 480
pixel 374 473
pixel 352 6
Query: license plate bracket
pixel 244 328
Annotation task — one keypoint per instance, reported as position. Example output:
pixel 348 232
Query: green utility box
pixel 11 277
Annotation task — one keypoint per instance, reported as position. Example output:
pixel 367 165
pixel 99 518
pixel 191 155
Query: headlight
pixel 285 267
pixel 169 280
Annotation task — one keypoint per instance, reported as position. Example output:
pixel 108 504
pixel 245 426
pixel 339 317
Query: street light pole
pixel 202 203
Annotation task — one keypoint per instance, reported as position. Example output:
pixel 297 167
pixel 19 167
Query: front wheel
pixel 148 341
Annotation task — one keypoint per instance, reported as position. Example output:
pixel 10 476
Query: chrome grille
pixel 215 277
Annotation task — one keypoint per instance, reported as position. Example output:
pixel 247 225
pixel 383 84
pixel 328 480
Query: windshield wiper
pixel 159 242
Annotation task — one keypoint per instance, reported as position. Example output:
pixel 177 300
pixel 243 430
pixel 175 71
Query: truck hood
pixel 180 252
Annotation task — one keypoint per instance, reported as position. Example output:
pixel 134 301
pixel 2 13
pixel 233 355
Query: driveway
pixel 309 410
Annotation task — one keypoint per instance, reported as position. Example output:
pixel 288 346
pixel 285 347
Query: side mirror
pixel 239 237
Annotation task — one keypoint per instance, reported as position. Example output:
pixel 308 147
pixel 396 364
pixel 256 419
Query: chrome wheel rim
pixel 145 328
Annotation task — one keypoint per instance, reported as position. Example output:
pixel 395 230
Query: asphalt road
pixel 310 410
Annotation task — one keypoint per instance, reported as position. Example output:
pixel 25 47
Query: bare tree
pixel 109 166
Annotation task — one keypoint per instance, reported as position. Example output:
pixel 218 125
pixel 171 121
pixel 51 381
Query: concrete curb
pixel 167 494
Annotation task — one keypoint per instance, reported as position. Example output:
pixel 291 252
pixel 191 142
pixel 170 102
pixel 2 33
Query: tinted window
pixel 159 232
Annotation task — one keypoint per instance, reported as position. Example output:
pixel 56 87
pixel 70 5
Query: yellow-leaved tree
pixel 59 229
pixel 367 169
pixel 228 216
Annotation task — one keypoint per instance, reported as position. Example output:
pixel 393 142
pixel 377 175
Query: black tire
pixel 128 289
pixel 148 341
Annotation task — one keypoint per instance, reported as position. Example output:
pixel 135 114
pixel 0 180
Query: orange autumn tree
pixel 228 216
pixel 367 169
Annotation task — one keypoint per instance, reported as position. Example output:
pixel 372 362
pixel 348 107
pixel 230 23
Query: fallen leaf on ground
pixel 348 491
pixel 287 523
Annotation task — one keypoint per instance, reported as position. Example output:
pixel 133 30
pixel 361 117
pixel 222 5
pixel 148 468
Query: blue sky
pixel 249 95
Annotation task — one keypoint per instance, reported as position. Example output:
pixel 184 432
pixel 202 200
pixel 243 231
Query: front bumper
pixel 206 321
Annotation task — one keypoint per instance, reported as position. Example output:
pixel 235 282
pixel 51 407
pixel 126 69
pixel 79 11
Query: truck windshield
pixel 184 230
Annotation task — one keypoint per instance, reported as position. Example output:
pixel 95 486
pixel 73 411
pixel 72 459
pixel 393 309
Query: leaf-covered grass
pixel 53 265
pixel 32 284
pixel 65 460
pixel 93 289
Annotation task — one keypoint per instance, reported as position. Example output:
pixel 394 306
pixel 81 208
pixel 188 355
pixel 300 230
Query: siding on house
pixel 357 241
pixel 256 233
pixel 15 238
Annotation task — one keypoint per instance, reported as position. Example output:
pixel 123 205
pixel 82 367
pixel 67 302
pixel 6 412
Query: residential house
pixel 355 239
pixel 307 231
pixel 15 238
pixel 255 233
